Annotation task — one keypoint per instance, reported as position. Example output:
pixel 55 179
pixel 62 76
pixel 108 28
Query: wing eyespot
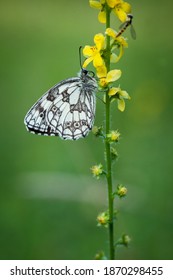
pixel 41 115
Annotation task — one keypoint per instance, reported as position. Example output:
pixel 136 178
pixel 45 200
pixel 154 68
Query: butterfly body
pixel 66 110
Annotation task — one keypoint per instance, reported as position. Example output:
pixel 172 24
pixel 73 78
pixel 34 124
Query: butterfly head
pixel 88 78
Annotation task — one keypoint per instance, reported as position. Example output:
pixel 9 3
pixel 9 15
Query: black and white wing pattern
pixel 66 110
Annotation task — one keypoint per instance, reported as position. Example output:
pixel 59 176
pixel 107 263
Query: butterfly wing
pixel 66 110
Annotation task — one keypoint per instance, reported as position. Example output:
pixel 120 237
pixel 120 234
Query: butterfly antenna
pixel 83 69
pixel 80 60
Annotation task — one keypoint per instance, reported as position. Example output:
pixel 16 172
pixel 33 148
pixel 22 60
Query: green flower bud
pixel 100 256
pixel 121 191
pixel 114 153
pixel 97 131
pixel 103 219
pixel 97 170
pixel 124 240
pixel 113 136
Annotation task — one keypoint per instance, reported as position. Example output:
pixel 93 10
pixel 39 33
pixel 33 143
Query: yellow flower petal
pixel 113 3
pixel 98 61
pixel 102 16
pixel 87 61
pixel 95 4
pixel 121 105
pixel 120 14
pixel 113 75
pixel 113 91
pixel 122 41
pixel 103 83
pixel 110 32
pixel 101 71
pixel 126 7
pixel 124 94
pixel 120 53
pixel 113 58
pixel 88 50
pixel 99 40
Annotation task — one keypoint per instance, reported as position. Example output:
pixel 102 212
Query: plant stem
pixel 107 148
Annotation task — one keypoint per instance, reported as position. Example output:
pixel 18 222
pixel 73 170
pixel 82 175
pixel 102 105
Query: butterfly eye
pixel 84 71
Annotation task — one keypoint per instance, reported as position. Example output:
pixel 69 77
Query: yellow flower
pixel 110 32
pixel 113 136
pixel 119 42
pixel 97 170
pixel 121 191
pixel 109 77
pixel 103 219
pixel 101 6
pixel 113 3
pixel 95 4
pixel 120 95
pixel 102 16
pixel 94 52
pixel 120 8
pixel 113 91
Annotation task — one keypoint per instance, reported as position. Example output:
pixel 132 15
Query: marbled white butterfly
pixel 66 110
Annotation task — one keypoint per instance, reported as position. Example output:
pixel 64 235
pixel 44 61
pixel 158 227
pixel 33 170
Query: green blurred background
pixel 48 198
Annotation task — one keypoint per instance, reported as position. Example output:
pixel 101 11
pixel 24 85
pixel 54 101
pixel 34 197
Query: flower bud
pixel 121 191
pixel 100 256
pixel 103 219
pixel 114 153
pixel 124 240
pixel 113 136
pixel 97 170
pixel 97 131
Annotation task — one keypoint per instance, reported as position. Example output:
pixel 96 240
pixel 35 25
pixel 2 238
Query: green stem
pixel 107 147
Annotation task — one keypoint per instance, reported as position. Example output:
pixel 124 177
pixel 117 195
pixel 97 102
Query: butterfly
pixel 66 110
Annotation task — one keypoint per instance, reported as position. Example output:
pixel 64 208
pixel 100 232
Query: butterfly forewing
pixel 66 110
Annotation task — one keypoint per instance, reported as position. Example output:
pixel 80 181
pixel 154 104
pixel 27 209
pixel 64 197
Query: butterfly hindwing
pixel 66 110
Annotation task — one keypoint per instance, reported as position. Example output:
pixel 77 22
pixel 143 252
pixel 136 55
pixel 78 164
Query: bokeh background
pixel 48 198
